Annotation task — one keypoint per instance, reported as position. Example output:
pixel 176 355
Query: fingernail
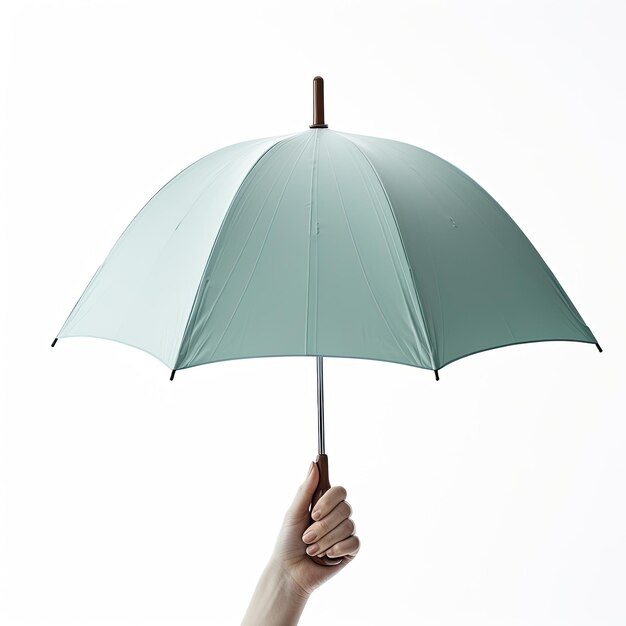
pixel 310 536
pixel 311 550
pixel 316 514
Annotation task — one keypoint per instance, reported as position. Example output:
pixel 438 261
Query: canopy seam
pixel 206 265
pixel 417 297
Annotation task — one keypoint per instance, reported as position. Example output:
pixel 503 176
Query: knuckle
pixel 351 525
pixel 346 509
pixel 323 526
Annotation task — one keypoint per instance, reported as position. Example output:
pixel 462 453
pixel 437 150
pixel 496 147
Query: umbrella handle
pixel 322 487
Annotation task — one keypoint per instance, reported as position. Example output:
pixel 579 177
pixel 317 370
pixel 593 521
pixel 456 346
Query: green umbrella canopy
pixel 329 244
pixel 323 243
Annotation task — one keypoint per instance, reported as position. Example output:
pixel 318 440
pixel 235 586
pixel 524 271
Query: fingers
pixel 347 547
pixel 318 529
pixel 338 534
pixel 328 502
pixel 333 531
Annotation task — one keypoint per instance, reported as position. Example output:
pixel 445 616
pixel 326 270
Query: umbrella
pixel 323 243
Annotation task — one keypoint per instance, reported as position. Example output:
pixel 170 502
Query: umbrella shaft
pixel 320 405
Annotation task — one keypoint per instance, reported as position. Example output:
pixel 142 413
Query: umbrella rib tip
pixel 436 374
pixel 54 343
pixel 172 374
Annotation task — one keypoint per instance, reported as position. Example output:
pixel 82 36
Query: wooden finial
pixel 318 103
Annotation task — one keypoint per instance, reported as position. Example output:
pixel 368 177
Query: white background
pixel 494 497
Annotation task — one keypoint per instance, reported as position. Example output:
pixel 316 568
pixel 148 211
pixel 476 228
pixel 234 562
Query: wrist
pixel 278 600
pixel 278 571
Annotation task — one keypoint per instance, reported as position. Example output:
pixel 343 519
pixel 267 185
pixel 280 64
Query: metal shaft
pixel 320 405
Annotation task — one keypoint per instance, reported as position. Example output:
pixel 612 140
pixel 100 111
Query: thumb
pixel 304 495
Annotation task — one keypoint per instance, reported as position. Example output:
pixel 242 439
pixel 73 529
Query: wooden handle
pixel 322 487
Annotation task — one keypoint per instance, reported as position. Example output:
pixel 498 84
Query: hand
pixel 334 532
pixel 291 576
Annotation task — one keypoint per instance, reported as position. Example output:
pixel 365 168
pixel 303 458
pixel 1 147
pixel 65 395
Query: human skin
pixel 290 576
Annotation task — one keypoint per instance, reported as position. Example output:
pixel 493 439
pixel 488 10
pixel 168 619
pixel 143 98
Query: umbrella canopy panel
pixel 143 292
pixel 309 261
pixel 482 282
pixel 323 243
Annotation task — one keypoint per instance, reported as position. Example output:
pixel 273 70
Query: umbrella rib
pixel 385 229
pixel 308 274
pixel 343 208
pixel 242 248
pixel 121 236
pixel 193 310
pixel 417 296
pixel 269 228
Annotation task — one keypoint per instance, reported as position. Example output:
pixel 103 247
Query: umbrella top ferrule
pixel 318 103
